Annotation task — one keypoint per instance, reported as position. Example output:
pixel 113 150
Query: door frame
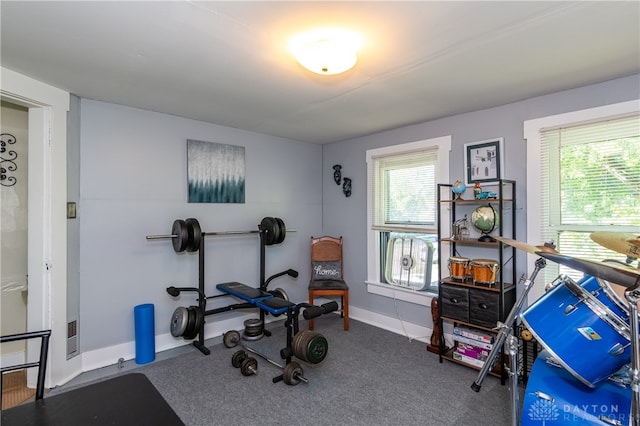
pixel 47 237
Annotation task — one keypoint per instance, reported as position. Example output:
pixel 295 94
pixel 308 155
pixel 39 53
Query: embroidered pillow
pixel 328 270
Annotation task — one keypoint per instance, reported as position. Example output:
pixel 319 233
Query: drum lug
pixel 610 421
pixel 616 349
pixel 544 396
pixel 570 309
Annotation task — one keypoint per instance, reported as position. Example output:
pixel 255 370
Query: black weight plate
pixel 179 241
pixel 268 227
pixel 238 357
pixel 317 349
pixel 249 366
pixel 195 234
pixel 191 321
pixel 231 338
pixel 195 320
pixel 292 373
pixel 179 321
pixel 282 229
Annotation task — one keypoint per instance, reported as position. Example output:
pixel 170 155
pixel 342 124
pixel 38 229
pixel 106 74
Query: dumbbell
pixel 292 373
pixel 248 365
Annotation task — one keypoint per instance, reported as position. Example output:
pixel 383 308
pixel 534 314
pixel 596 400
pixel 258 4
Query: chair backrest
pixel 326 258
pixel 41 364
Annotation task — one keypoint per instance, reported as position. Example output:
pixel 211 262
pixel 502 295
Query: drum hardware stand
pixel 633 296
pixel 506 329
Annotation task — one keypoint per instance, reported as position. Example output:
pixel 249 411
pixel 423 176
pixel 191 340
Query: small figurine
pixel 477 190
pixel 337 173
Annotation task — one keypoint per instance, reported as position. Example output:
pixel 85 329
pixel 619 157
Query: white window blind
pixel 404 191
pixel 590 182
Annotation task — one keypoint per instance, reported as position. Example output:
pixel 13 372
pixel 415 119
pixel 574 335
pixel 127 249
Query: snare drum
pixel 582 329
pixel 459 268
pixel 553 397
pixel 484 271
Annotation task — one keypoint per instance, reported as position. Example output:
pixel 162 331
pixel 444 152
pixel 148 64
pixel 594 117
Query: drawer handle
pixel 483 306
pixel 453 300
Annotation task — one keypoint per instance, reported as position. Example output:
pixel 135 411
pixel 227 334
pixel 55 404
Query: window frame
pixel 533 135
pixel 375 283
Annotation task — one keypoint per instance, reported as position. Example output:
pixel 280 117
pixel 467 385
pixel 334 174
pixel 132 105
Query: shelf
pixel 457 321
pixel 479 306
pixel 474 201
pixel 471 241
pixel 495 371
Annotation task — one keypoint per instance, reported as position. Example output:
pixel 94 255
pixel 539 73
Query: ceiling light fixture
pixel 326 51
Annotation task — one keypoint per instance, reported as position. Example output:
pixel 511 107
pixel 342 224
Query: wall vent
pixel 72 339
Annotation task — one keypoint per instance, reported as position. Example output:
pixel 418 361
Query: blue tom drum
pixel 586 332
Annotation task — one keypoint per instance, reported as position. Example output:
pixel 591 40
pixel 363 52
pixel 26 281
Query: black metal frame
pixel 202 298
pixel 41 364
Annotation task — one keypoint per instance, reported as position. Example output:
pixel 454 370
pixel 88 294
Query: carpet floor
pixel 369 377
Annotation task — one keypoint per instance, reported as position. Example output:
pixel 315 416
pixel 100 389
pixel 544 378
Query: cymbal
pixel 624 276
pixel 627 244
pixel 524 246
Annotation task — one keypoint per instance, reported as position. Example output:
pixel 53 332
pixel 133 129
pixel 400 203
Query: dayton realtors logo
pixel 548 412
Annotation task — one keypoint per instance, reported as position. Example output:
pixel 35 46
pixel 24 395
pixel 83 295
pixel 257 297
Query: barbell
pixel 187 234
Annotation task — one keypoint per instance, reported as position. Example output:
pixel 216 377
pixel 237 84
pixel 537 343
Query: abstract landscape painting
pixel 216 172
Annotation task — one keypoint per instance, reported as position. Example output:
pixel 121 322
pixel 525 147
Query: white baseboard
pixel 410 330
pixel 107 356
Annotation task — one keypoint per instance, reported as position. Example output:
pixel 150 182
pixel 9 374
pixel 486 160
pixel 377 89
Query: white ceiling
pixel 226 62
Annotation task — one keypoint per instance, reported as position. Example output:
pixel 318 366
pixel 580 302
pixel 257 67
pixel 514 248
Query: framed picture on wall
pixel 483 161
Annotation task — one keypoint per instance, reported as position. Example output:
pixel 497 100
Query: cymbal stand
pixel 633 296
pixel 505 329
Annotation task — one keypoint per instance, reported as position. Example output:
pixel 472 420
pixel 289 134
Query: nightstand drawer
pixel 484 307
pixel 455 302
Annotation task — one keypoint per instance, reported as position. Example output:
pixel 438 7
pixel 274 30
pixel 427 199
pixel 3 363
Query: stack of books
pixel 472 346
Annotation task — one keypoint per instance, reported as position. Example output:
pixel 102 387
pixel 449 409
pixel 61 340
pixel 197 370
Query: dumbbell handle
pixel 266 358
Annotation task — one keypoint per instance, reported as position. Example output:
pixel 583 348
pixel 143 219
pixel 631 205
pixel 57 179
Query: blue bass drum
pixel 586 332
pixel 555 397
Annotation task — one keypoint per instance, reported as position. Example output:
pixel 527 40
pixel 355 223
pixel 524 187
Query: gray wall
pixel 347 216
pixel 133 184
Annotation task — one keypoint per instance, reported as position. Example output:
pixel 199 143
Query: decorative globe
pixel 458 188
pixel 485 219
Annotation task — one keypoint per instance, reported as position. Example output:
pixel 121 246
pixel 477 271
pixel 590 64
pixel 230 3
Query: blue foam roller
pixel 145 333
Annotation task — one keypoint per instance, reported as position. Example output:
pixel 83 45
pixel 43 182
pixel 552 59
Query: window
pixel 588 180
pixel 402 206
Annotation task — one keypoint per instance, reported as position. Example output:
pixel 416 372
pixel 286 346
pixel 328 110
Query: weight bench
pixel 261 299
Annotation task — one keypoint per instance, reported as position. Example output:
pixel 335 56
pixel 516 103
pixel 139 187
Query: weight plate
pixel 179 321
pixel 194 234
pixel 238 357
pixel 278 292
pixel 268 227
pixel 310 346
pixel 179 229
pixel 231 339
pixel 282 229
pixel 195 320
pixel 249 366
pixel 292 373
pixel 191 321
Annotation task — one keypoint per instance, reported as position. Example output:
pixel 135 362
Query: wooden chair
pixel 41 364
pixel 327 274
